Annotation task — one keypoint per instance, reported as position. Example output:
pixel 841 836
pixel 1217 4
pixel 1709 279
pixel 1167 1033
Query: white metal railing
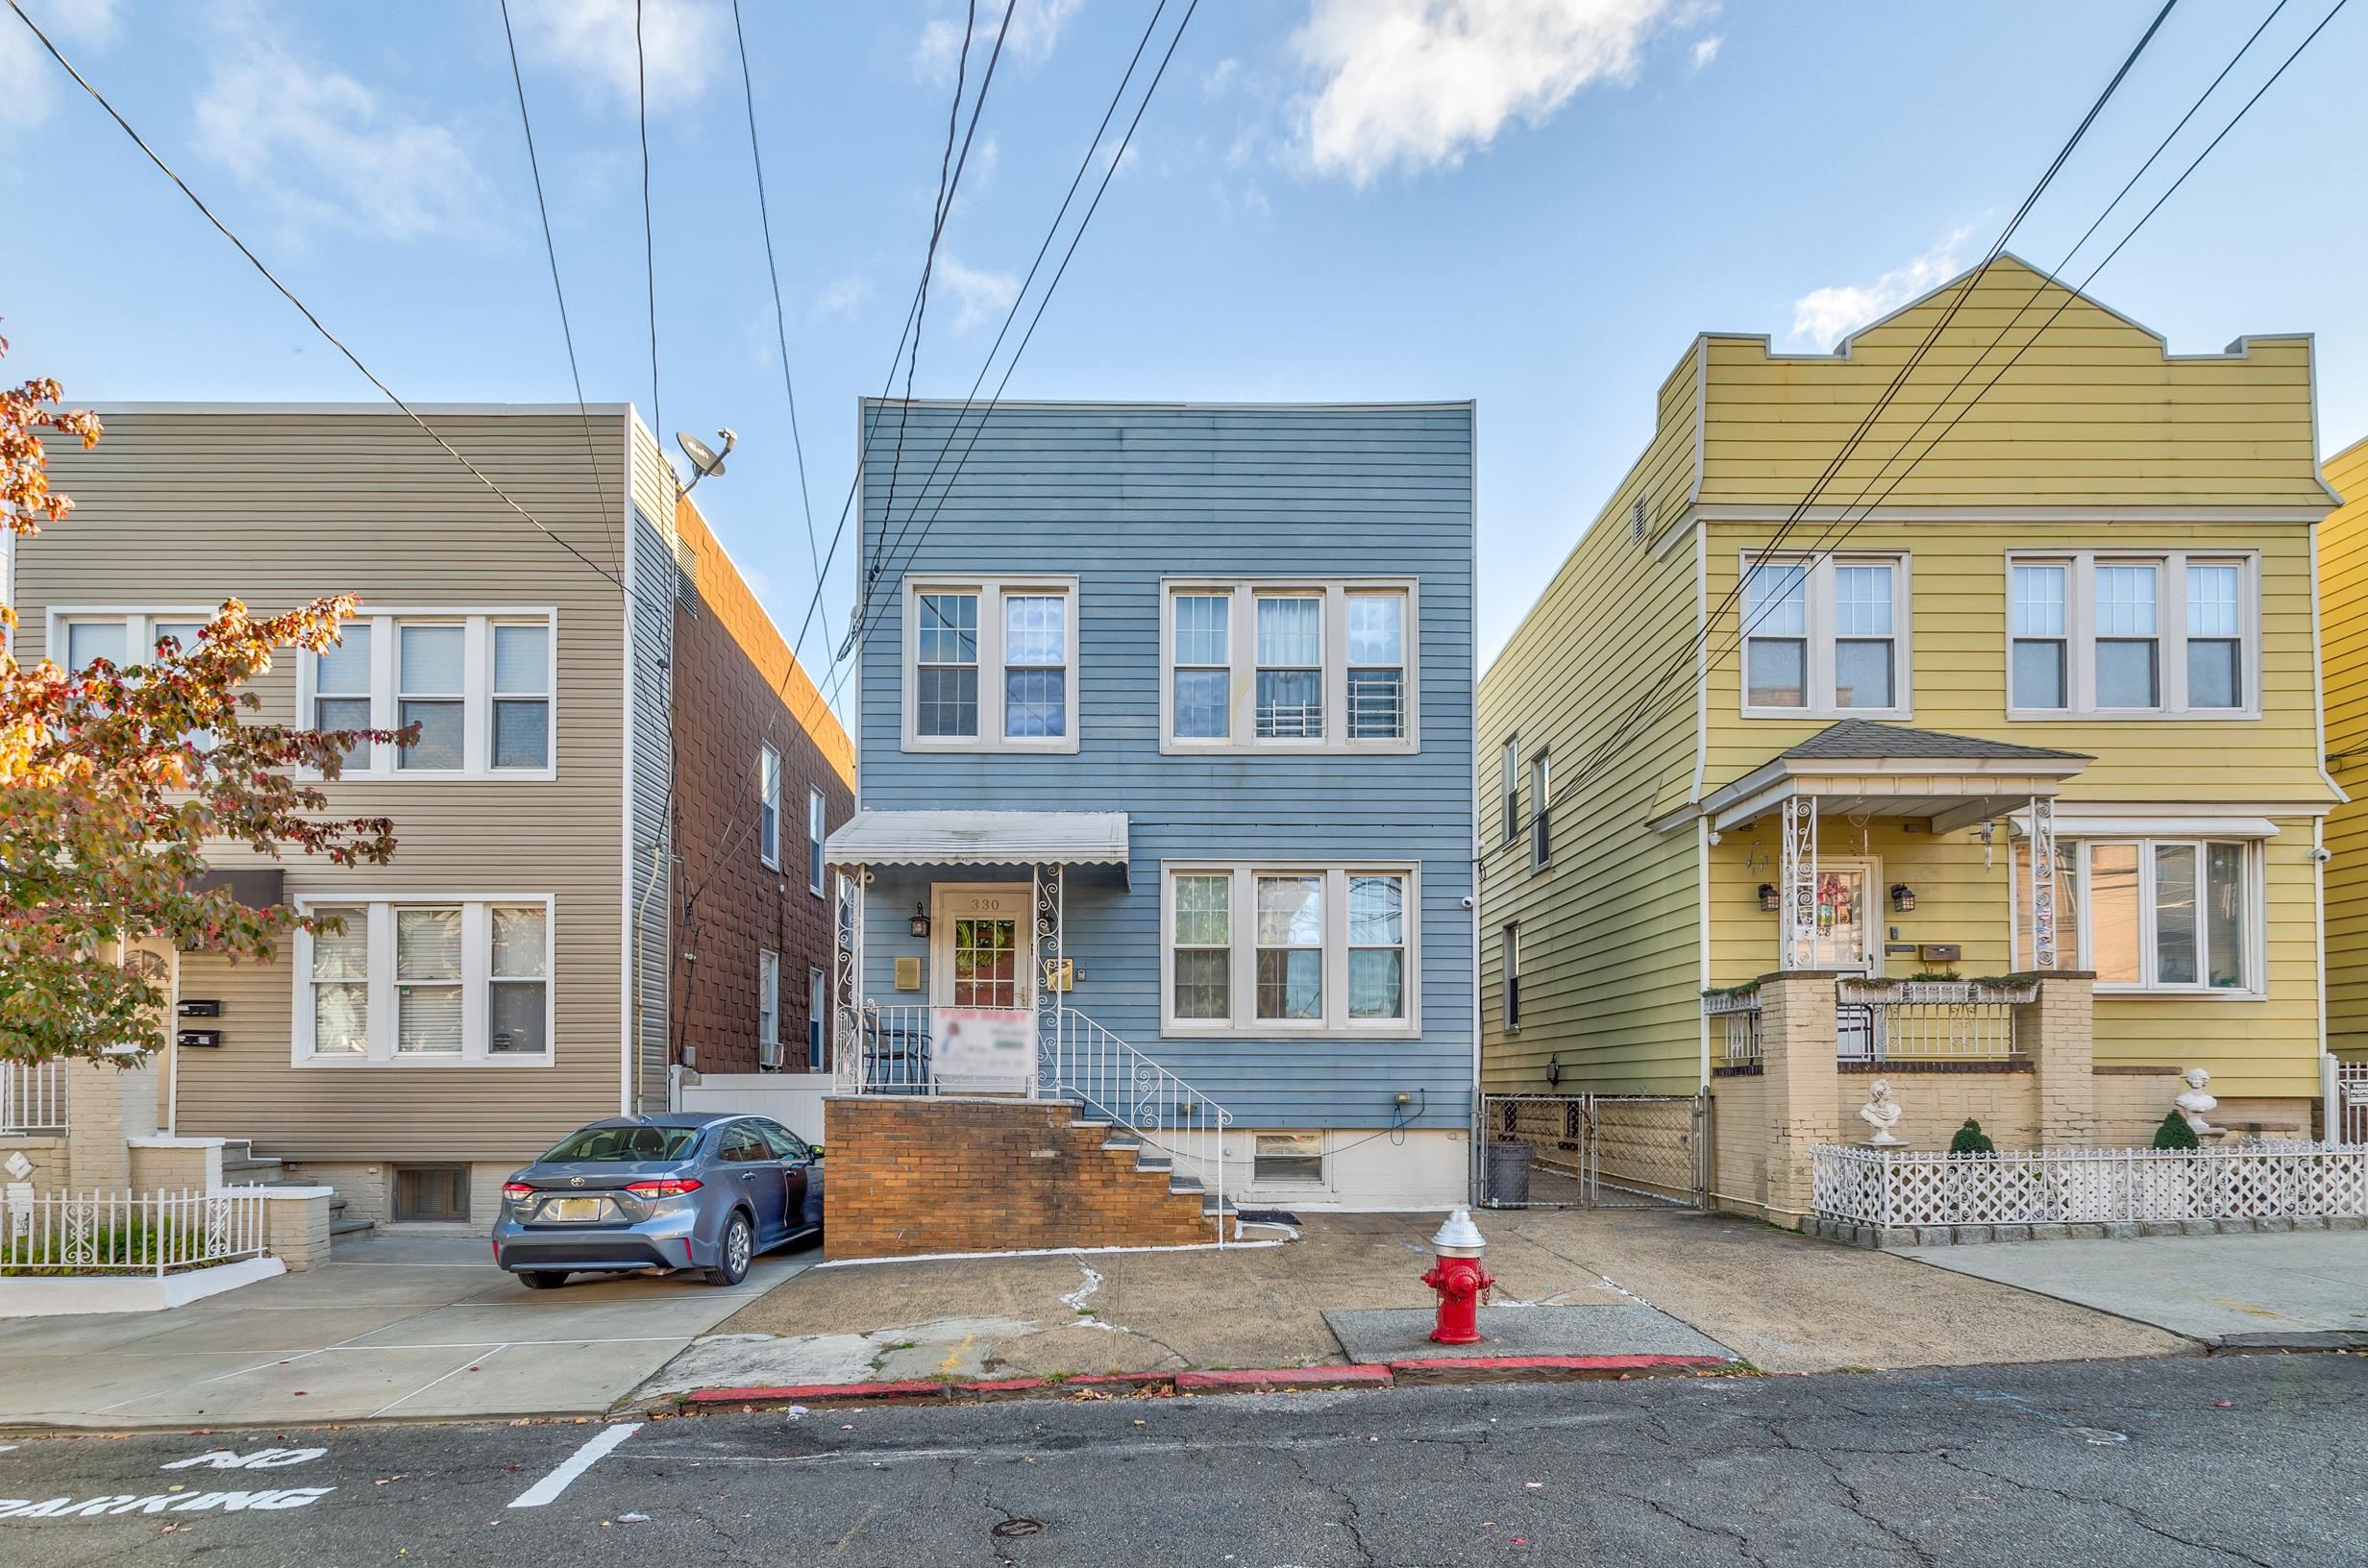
pixel 1377 705
pixel 1735 1022
pixel 33 1097
pixel 892 1051
pixel 1290 721
pixel 2352 1101
pixel 1927 1020
pixel 1102 1072
pixel 121 1233
pixel 1889 1190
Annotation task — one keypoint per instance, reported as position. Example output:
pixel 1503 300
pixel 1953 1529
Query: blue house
pixel 1165 785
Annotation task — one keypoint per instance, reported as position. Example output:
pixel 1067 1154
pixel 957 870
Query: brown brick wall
pixel 735 689
pixel 912 1176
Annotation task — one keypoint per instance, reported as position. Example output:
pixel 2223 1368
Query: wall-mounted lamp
pixel 1903 898
pixel 1554 1068
pixel 1769 902
pixel 918 925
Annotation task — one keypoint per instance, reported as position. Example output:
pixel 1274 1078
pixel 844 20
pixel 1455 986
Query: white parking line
pixel 548 1488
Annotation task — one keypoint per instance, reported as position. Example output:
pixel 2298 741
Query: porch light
pixel 1903 898
pixel 1769 902
pixel 918 925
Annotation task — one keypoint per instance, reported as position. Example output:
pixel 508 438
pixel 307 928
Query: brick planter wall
pixel 911 1176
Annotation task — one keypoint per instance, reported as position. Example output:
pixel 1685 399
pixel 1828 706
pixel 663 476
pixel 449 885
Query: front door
pixel 980 947
pixel 1846 939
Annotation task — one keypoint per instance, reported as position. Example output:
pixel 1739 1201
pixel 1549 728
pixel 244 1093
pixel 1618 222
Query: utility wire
pixel 566 332
pixel 648 233
pixel 1848 525
pixel 866 617
pixel 301 309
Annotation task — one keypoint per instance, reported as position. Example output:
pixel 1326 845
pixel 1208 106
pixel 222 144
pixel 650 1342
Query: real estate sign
pixel 989 1050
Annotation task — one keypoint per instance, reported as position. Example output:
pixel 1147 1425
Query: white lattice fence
pixel 2039 1186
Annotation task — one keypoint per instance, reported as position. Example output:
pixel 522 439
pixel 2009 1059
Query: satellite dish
pixel 705 460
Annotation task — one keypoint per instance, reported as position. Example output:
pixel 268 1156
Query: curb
pixel 1255 1380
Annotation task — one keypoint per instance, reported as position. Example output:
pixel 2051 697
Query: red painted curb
pixel 817 1393
pixel 998 1386
pixel 1282 1376
pixel 1543 1368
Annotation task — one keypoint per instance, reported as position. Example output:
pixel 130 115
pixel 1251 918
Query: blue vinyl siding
pixel 1121 497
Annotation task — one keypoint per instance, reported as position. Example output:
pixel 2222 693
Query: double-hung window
pixel 1288 666
pixel 1540 809
pixel 815 833
pixel 456 980
pixel 1511 980
pixel 1289 949
pixel 1825 637
pixel 2172 914
pixel 991 665
pixel 128 640
pixel 2133 636
pixel 817 1019
pixel 768 806
pixel 1509 787
pixel 768 1008
pixel 482 687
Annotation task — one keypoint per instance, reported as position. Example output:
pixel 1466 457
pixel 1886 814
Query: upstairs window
pixel 479 686
pixel 1288 666
pixel 814 836
pixel 521 696
pixel 1512 999
pixel 2168 635
pixel 768 1008
pixel 1509 788
pixel 768 806
pixel 992 666
pixel 341 689
pixel 432 692
pixel 1823 637
pixel 1540 805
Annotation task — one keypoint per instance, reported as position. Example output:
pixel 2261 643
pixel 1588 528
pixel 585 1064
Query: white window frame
pixel 2257 914
pixel 769 801
pixel 1508 979
pixel 991 591
pixel 817 828
pixel 1336 1023
pixel 1540 823
pixel 1820 633
pixel 1242 629
pixel 768 1008
pixel 379 760
pixel 137 620
pixel 476 970
pixel 817 1020
pixel 1509 789
pixel 2170 632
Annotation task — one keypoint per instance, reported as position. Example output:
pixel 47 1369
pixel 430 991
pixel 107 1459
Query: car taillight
pixel 516 1190
pixel 670 1187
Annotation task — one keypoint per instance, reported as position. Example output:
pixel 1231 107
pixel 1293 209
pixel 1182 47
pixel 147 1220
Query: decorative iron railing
pixel 33 1097
pixel 1735 1028
pixel 1103 1073
pixel 118 1232
pixel 1928 1020
pixel 1889 1190
pixel 892 1053
pixel 2351 1108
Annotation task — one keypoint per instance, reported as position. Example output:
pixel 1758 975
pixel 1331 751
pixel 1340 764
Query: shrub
pixel 2176 1134
pixel 1971 1140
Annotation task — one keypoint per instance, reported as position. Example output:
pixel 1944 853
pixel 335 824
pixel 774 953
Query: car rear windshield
pixel 619 1145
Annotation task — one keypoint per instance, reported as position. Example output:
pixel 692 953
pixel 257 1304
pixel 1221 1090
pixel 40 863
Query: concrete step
pixel 348 1227
pixel 1154 1161
pixel 1121 1141
pixel 1185 1184
pixel 248 1171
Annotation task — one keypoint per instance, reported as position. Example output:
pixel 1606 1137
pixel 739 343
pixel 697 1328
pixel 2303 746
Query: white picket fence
pixel 117 1233
pixel 1891 1190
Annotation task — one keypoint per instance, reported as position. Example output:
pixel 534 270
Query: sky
pixel 1534 204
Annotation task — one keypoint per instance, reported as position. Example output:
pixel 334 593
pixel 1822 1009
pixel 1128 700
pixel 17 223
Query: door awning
pixel 979 838
pixel 1892 770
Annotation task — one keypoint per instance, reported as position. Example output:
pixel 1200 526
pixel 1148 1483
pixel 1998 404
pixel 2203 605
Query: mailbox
pixel 199 1039
pixel 200 1008
pixel 1939 952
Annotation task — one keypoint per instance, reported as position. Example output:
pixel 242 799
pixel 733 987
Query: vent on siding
pixel 1637 519
pixel 686 575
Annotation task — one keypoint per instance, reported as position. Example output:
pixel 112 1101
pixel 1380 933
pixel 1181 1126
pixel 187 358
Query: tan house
pixel 607 721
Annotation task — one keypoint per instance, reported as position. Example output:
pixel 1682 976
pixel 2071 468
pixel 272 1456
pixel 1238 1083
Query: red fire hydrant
pixel 1459 1278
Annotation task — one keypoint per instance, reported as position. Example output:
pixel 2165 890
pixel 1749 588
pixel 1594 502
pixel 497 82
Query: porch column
pixel 2043 883
pixel 846 981
pixel 1798 872
pixel 1800 1084
pixel 2057 1032
pixel 1049 937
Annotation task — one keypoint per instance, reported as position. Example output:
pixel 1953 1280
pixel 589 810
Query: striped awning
pixel 979 838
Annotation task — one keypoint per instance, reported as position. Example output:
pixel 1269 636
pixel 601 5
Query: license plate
pixel 571 1209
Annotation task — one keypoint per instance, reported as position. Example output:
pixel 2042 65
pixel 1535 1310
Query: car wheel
pixel 543 1279
pixel 739 1246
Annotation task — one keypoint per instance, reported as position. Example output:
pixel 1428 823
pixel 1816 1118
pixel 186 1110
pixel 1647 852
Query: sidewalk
pixel 1780 1302
pixel 402 1327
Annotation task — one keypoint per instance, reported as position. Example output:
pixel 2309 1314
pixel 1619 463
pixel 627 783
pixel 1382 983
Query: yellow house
pixel 2343 613
pixel 1767 762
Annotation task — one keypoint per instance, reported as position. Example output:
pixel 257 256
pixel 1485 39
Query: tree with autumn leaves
pixel 114 782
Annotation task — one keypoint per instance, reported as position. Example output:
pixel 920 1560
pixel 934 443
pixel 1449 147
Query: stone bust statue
pixel 2198 1103
pixel 1882 1113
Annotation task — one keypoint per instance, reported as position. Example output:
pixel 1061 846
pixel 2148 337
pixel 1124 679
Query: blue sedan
pixel 692 1189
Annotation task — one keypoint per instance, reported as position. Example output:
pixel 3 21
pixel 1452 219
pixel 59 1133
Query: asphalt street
pixel 2245 1460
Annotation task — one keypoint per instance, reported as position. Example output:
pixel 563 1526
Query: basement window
pixel 1288 1157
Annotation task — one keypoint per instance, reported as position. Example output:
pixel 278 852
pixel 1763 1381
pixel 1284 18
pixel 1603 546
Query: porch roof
pixel 979 838
pixel 1894 771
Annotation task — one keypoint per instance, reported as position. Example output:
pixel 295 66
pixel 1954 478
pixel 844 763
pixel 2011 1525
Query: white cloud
pixel 324 148
pixel 1035 30
pixel 977 294
pixel 31 83
pixel 683 44
pixel 1419 82
pixel 843 296
pixel 1706 50
pixel 1824 317
pixel 1219 79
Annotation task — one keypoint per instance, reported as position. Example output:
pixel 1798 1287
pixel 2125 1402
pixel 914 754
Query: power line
pixel 865 614
pixel 301 309
pixel 1644 709
pixel 1848 525
pixel 648 232
pixel 566 332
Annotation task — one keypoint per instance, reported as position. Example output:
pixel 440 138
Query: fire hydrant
pixel 1459 1278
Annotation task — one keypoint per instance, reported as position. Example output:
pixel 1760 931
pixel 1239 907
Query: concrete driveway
pixel 396 1326
pixel 2299 1289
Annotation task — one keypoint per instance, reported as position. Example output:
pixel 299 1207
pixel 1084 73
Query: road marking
pixel 548 1488
pixel 868 1514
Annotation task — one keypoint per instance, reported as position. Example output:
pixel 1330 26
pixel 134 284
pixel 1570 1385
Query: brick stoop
pixel 920 1175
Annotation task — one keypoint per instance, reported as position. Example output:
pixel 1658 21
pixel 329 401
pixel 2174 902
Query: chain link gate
pixel 1593 1151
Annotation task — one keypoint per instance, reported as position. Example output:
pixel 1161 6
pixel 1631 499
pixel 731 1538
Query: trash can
pixel 1508 1173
